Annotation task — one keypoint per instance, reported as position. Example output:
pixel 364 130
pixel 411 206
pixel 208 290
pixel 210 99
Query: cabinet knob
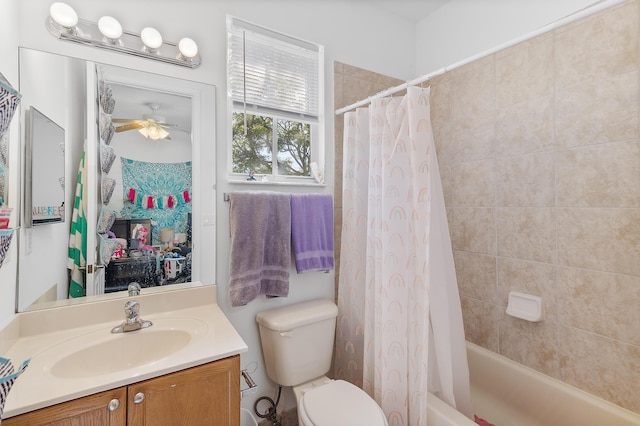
pixel 138 398
pixel 114 404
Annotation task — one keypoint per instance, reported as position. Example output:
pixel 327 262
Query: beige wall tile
pixel 600 239
pixel 600 302
pixel 525 71
pixel 599 46
pixel 598 111
pixel 480 323
pixel 540 348
pixel 602 366
pixel 525 128
pixel 526 181
pixel 534 278
pixel 473 92
pixel 476 274
pixel 606 175
pixel 474 229
pixel 474 184
pixel 472 141
pixel 527 233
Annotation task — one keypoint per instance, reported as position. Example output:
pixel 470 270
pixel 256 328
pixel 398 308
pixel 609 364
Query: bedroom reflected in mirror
pixel 44 169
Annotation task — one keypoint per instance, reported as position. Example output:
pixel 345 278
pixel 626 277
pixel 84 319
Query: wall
pixel 539 148
pixel 350 37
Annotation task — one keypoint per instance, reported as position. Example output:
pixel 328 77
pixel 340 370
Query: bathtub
pixel 506 393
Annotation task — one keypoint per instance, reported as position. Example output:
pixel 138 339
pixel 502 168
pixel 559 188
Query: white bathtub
pixel 506 393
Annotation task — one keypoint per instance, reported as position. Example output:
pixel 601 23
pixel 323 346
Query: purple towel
pixel 312 231
pixel 260 245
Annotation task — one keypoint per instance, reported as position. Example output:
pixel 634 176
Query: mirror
pixel 44 172
pixel 142 193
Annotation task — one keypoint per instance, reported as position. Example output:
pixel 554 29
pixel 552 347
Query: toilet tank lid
pixel 297 315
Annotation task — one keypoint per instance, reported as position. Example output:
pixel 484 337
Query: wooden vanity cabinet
pixel 206 395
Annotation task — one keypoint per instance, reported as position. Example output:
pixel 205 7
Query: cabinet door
pixel 207 395
pixel 93 410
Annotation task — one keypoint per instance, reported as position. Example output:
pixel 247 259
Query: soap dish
pixel 525 306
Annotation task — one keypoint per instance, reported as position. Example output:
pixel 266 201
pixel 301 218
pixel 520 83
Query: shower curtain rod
pixel 582 13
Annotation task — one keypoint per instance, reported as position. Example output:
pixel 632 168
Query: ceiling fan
pixel 151 126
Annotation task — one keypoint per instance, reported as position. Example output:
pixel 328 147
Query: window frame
pixel 317 142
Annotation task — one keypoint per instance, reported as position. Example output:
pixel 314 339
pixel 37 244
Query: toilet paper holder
pixel 251 385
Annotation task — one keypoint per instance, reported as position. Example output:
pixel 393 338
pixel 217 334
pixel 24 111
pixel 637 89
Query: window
pixel 275 89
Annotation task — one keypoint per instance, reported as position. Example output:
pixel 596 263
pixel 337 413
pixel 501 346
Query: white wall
pixel 461 29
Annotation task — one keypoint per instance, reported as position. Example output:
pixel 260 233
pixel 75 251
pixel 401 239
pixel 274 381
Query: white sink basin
pixel 102 352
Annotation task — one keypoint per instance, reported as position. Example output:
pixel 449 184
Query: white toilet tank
pixel 297 340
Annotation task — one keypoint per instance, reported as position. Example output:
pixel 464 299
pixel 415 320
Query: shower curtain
pixel 400 332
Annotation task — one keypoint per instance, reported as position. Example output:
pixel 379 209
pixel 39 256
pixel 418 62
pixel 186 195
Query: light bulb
pixel 63 14
pixel 188 48
pixel 110 27
pixel 151 37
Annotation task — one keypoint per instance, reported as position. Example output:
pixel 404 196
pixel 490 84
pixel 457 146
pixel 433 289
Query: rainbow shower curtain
pixel 78 236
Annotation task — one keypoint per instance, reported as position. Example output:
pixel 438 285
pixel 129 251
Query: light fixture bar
pixel 87 33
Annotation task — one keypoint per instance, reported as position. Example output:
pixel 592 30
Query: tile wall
pixel 539 151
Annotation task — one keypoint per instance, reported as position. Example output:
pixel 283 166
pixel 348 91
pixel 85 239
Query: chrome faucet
pixel 133 321
pixel 134 289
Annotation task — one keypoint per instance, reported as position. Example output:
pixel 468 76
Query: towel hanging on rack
pixel 312 232
pixel 260 224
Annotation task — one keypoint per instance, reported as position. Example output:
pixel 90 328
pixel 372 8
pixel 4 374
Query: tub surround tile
pixel 526 181
pixel 598 111
pixel 538 351
pixel 598 46
pixel 527 233
pixel 480 323
pixel 605 175
pixel 473 229
pixel 602 366
pixel 600 302
pixel 476 274
pixel 600 239
pixel 525 71
pixel 474 184
pixel 525 128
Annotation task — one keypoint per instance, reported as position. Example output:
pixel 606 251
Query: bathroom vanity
pixel 196 396
pixel 184 369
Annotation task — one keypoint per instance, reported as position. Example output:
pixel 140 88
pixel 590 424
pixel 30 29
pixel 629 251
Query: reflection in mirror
pixel 44 170
pixel 4 170
pixel 130 140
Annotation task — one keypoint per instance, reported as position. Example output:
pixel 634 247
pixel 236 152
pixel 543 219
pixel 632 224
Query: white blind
pixel 272 72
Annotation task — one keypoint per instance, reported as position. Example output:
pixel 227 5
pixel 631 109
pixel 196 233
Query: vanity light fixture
pixel 107 33
pixel 151 38
pixel 110 29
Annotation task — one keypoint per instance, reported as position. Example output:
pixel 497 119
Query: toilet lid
pixel 339 402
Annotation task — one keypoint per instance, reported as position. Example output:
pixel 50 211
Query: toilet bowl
pixel 297 345
pixel 326 402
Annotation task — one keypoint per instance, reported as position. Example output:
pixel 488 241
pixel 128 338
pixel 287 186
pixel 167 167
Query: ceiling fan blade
pixel 124 120
pixel 130 126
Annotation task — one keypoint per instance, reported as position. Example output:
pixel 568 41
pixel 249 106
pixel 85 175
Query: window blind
pixel 268 71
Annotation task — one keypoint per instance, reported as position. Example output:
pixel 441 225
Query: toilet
pixel 297 344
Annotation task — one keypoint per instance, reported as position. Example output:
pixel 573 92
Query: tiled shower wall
pixel 539 151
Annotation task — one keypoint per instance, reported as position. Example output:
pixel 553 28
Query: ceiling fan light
pixel 151 38
pixel 154 132
pixel 110 27
pixel 188 48
pixel 63 14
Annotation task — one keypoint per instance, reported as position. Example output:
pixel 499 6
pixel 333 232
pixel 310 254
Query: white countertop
pixel 43 333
